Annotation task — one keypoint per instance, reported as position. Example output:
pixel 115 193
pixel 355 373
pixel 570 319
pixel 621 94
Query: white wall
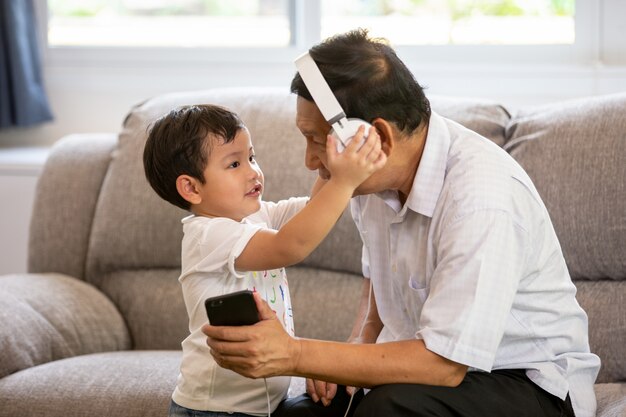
pixel 19 170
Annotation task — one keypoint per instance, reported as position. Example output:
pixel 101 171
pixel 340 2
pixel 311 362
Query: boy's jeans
pixel 178 411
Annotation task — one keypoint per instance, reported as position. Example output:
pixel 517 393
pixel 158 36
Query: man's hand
pixel 262 350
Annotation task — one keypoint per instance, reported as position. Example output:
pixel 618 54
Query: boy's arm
pixel 317 186
pixel 270 249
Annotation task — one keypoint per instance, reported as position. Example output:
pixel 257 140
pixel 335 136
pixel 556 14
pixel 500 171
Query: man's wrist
pixel 296 354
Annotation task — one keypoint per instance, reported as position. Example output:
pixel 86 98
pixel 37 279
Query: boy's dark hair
pixel 369 80
pixel 179 143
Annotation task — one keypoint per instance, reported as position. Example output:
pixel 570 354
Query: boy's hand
pixel 354 165
pixel 321 391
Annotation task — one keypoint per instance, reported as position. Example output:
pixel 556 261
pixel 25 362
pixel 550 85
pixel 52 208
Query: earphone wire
pixel 267 394
pixel 367 313
pixel 350 403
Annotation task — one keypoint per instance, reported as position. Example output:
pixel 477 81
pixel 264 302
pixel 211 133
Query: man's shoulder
pixel 481 175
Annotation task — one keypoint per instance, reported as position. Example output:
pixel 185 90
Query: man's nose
pixel 311 159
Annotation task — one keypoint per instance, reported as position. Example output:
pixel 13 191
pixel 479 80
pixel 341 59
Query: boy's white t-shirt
pixel 209 249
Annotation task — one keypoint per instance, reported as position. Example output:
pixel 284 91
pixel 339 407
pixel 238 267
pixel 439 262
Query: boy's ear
pixel 387 134
pixel 188 189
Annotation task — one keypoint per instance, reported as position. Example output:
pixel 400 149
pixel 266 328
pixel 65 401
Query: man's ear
pixel 187 187
pixel 387 133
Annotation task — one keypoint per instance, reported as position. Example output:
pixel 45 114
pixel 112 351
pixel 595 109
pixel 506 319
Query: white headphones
pixel 343 128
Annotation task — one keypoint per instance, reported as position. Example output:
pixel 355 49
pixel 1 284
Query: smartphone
pixel 234 309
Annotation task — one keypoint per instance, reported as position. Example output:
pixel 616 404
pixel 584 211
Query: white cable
pixel 350 403
pixel 267 394
pixel 367 313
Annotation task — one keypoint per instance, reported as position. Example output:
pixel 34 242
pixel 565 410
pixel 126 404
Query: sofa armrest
pixel 65 201
pixel 45 317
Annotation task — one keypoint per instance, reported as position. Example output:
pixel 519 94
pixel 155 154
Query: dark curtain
pixel 23 101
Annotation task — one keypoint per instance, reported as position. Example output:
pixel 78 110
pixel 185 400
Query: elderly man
pixel 471 310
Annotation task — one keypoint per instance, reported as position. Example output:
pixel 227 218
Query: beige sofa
pixel 94 328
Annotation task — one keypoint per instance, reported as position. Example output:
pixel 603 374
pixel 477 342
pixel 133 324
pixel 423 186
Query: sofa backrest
pixel 575 152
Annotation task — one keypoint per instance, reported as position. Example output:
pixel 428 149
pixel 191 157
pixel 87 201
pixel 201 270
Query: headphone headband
pixel 319 89
pixel 343 129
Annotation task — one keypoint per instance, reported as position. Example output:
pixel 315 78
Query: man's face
pixel 315 130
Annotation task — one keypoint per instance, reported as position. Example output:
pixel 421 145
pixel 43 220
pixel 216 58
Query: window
pixel 455 22
pixel 163 23
pixel 272 23
pixel 424 32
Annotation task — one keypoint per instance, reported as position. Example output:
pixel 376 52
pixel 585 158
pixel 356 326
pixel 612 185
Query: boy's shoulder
pixel 202 223
pixel 213 232
pixel 204 220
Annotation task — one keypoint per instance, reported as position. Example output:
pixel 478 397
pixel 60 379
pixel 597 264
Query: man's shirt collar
pixel 430 174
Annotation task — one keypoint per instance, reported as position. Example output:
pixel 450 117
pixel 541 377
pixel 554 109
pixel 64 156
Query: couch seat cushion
pixel 46 317
pixel 611 400
pixel 128 383
pixel 604 302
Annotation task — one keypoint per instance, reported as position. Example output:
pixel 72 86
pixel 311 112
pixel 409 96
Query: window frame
pixel 306 21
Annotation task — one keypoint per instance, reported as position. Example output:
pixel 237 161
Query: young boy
pixel 201 158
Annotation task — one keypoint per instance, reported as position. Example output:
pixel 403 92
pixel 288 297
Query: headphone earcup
pixel 348 132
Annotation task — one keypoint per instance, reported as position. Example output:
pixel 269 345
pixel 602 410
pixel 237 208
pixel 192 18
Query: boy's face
pixel 233 180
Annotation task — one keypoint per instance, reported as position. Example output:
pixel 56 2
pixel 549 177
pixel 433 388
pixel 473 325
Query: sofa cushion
pixel 45 317
pixel 575 153
pixel 611 400
pixel 151 302
pixel 65 204
pixel 604 303
pixel 129 384
pixel 485 117
pixel 325 303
